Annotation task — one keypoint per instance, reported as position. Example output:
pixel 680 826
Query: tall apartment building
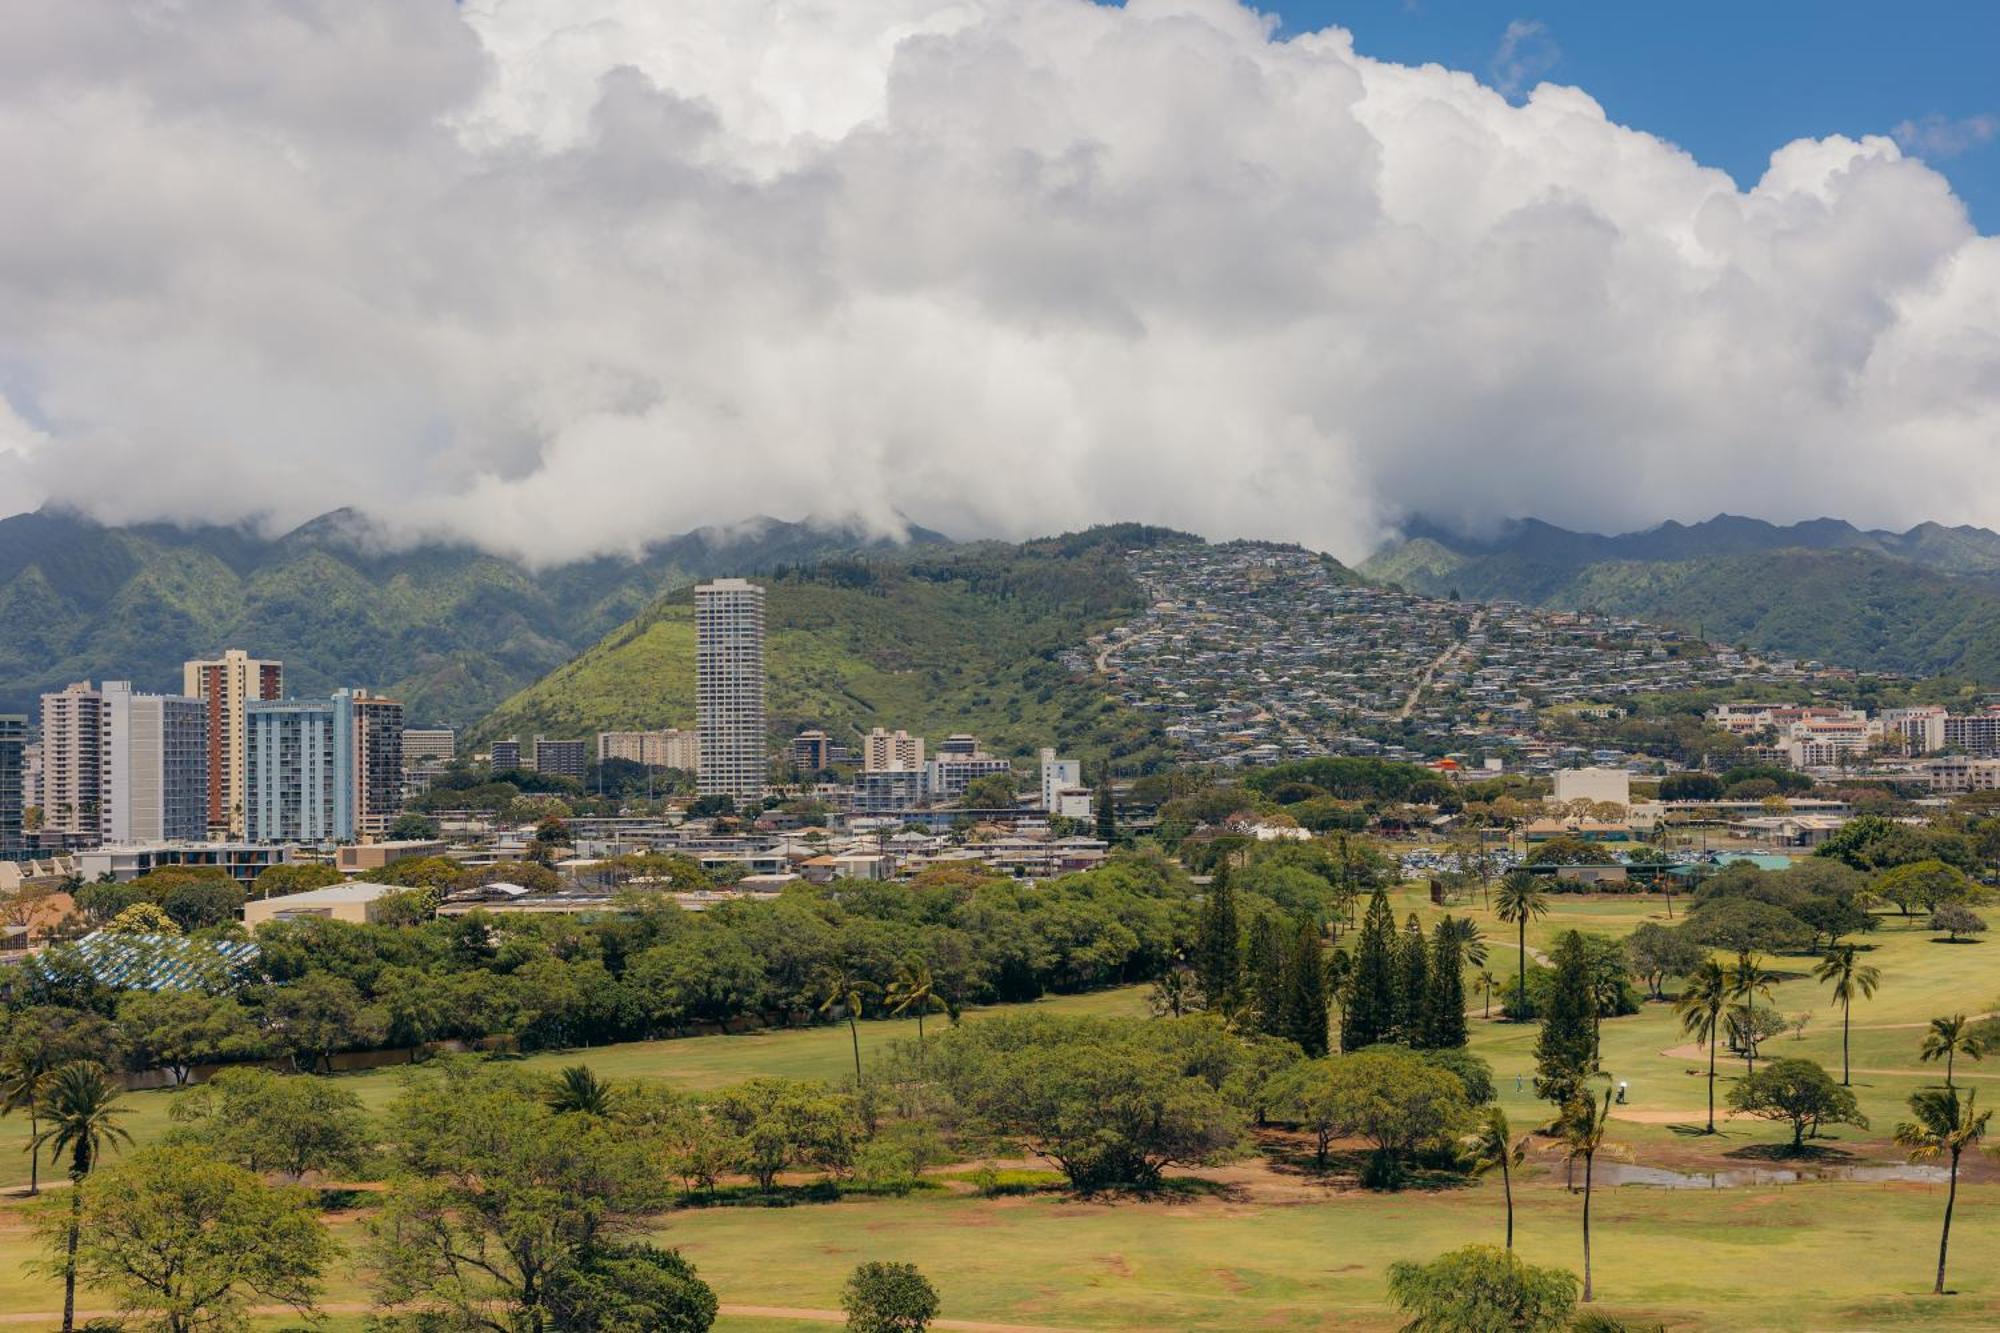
pixel 670 747
pixel 428 745
pixel 1921 729
pixel 563 758
pixel 891 751
pixel 729 679
pixel 227 685
pixel 75 764
pixel 13 747
pixel 947 776
pixel 323 770
pixel 378 763
pixel 156 767
pixel 812 751
pixel 298 770
pixel 505 754
pixel 1976 734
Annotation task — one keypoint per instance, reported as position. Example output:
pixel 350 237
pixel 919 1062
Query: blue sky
pixel 1727 81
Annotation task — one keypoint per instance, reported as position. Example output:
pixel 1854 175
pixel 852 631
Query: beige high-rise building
pixel 891 751
pixel 76 777
pixel 667 748
pixel 226 684
pixel 729 693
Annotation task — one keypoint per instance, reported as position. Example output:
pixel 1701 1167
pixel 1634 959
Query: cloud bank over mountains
pixel 559 276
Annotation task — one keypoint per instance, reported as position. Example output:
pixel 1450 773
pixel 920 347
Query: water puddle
pixel 1625 1173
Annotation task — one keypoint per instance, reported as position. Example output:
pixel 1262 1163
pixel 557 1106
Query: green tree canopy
pixel 1798 1091
pixel 193 1242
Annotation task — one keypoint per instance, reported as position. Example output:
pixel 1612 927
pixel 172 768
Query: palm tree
pixel 579 1091
pixel 83 1116
pixel 1465 932
pixel 1700 1006
pixel 1493 1145
pixel 914 989
pixel 21 1074
pixel 1748 980
pixel 1488 983
pixel 1948 1038
pixel 1521 897
pixel 1849 976
pixel 841 989
pixel 1943 1126
pixel 1582 1128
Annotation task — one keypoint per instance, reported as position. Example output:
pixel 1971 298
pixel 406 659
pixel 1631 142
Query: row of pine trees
pixel 1397 985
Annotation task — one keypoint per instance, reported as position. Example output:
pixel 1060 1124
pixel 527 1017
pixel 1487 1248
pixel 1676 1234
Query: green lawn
pixel 1278 1251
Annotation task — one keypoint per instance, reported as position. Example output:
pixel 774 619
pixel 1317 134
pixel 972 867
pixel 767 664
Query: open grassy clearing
pixel 1273 1248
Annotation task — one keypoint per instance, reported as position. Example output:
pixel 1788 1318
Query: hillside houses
pixel 1255 654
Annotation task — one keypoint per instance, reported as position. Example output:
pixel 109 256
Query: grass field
pixel 1267 1247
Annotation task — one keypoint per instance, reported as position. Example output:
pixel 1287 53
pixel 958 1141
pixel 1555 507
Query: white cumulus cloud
pixel 559 276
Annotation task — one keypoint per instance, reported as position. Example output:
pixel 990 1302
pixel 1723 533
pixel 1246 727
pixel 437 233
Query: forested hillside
pixel 448 629
pixel 936 640
pixel 1925 602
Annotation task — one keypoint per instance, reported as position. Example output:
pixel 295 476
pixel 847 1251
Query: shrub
pixel 1482 1289
pixel 1955 920
pixel 889 1298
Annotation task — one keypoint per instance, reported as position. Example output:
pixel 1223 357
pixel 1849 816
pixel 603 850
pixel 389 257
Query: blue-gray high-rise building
pixel 298 770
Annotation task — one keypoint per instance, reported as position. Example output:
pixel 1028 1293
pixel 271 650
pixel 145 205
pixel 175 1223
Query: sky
pixel 562 276
pixel 1730 82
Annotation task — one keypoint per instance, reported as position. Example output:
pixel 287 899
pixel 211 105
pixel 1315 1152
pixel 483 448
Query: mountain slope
pixel 448 629
pixel 968 638
pixel 1923 602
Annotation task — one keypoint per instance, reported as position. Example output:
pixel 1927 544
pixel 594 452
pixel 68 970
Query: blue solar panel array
pixel 167 962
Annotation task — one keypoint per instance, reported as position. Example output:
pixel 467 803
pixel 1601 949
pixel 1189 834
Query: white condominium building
pixel 729 680
pixel 892 751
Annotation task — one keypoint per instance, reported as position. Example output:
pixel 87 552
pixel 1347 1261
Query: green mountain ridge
pixel 966 638
pixel 448 629
pixel 1925 602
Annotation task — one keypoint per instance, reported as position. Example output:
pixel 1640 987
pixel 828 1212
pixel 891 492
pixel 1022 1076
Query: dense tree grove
pixel 329 986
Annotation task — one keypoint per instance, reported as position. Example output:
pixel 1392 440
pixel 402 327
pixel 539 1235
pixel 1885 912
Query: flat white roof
pixel 354 891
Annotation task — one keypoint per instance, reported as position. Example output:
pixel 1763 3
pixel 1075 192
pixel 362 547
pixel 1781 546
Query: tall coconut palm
pixel 1843 969
pixel 914 989
pixel 579 1091
pixel 1948 1038
pixel 1701 1005
pixel 1749 981
pixel 1582 1128
pixel 1522 898
pixel 82 1110
pixel 840 989
pixel 1487 983
pixel 1493 1145
pixel 1944 1127
pixel 22 1071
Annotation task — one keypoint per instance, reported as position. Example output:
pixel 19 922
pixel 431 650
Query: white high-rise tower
pixel 729 678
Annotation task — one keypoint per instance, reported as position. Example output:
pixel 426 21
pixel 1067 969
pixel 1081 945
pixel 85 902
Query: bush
pixel 1956 920
pixel 889 1298
pixel 1482 1289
